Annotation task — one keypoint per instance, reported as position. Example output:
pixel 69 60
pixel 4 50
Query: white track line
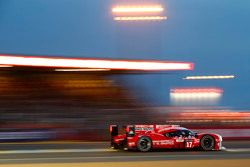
pixel 88 151
pixel 96 157
pixel 238 150
pixel 55 151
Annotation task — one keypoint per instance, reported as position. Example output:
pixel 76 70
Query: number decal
pixel 189 144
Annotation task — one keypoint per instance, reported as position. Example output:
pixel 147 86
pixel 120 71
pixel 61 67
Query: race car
pixel 147 137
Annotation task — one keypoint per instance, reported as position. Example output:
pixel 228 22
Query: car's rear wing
pixel 113 129
pixel 131 130
pixel 152 128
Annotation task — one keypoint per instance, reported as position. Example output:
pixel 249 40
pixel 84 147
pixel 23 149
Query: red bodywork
pixel 162 136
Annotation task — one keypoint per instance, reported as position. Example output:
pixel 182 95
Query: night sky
pixel 214 34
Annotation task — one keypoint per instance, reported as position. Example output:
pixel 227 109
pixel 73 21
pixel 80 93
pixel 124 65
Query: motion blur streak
pixel 218 115
pixel 205 163
pixel 140 18
pixel 93 63
pixel 81 69
pixel 210 77
pixel 4 66
pixel 128 9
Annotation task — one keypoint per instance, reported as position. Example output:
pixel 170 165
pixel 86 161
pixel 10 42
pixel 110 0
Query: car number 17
pixel 189 144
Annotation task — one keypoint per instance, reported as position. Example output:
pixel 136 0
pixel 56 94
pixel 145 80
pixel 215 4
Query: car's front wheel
pixel 207 143
pixel 144 144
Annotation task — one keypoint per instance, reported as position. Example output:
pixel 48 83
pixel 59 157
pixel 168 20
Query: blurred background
pixel 46 102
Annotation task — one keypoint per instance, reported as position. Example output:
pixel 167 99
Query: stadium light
pixel 140 18
pixel 137 9
pixel 195 96
pixel 197 90
pixel 138 13
pixel 210 77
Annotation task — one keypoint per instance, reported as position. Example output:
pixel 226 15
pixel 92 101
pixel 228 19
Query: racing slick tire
pixel 207 143
pixel 144 144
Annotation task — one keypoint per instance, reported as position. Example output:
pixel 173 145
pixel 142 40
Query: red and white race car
pixel 147 137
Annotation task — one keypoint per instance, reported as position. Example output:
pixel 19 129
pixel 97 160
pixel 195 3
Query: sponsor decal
pixel 163 142
pixel 179 139
pixel 144 128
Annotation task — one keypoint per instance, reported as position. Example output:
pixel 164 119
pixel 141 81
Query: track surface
pixel 23 153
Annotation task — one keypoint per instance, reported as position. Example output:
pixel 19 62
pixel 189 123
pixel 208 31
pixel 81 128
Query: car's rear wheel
pixel 144 144
pixel 207 143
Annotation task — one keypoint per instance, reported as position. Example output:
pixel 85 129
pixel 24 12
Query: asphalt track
pixel 99 152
